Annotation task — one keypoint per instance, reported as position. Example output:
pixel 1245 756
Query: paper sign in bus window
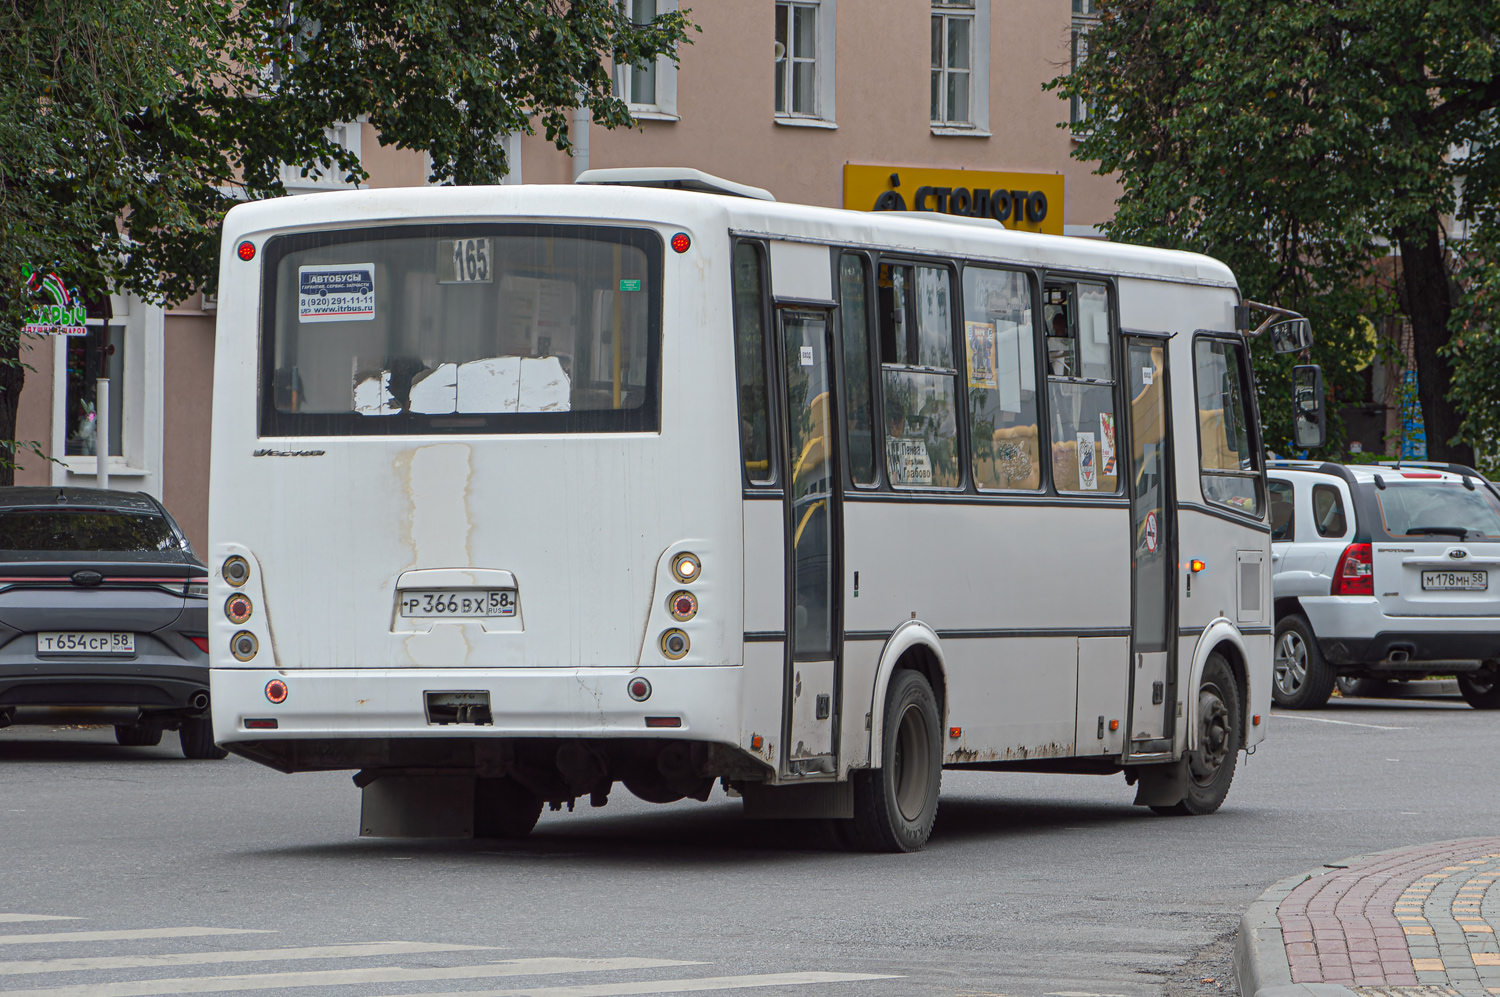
pixel 1088 467
pixel 908 462
pixel 341 292
pixel 1107 442
pixel 982 360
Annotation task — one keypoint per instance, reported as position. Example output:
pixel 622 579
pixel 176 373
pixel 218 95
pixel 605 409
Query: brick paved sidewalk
pixel 1422 917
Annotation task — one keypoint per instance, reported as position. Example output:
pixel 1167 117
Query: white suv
pixel 1384 571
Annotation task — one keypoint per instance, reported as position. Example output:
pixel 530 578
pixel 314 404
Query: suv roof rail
pixel 1437 465
pixel 673 178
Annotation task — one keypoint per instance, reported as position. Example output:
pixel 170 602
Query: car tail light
pixel 1355 574
pixel 202 642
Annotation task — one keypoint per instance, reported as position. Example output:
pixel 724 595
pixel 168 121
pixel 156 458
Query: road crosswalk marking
pixel 344 977
pixel 682 986
pixel 12 918
pixel 19 967
pixel 46 937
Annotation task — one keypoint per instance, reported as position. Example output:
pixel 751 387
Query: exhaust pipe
pixel 1400 654
pixel 199 700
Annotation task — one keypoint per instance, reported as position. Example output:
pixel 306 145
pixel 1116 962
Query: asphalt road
pixel 1031 886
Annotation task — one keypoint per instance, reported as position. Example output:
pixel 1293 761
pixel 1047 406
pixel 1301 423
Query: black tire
pixel 1300 679
pixel 1363 688
pixel 197 737
pixel 895 805
pixel 137 735
pixel 1481 689
pixel 503 808
pixel 1221 722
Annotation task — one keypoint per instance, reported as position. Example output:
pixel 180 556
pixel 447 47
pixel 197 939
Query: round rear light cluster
pixel 236 571
pixel 681 242
pixel 243 645
pixel 683 606
pixel 246 251
pixel 238 607
pixel 674 644
pixel 686 567
pixel 276 691
pixel 639 689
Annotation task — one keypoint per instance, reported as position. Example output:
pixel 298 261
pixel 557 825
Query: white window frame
pixel 825 47
pixel 349 135
pixel 979 66
pixel 140 466
pixel 1085 16
pixel 665 107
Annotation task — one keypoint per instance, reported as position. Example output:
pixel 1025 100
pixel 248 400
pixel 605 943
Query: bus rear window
pixel 462 328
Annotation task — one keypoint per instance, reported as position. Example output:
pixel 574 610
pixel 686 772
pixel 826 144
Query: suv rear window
pixel 1438 509
pixel 461 328
pixel 85 530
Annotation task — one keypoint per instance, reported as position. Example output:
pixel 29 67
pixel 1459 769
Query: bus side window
pixel 918 378
pixel 859 412
pixel 1081 389
pixel 1229 472
pixel 750 361
pixel 1000 345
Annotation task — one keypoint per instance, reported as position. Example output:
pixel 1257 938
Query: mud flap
pixel 807 800
pixel 1162 785
pixel 418 806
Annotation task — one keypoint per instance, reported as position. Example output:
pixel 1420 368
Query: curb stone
pixel 1261 967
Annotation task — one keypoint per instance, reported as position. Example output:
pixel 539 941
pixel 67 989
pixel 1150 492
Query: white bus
pixel 519 492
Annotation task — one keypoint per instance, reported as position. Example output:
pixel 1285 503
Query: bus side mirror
pixel 1309 421
pixel 1291 336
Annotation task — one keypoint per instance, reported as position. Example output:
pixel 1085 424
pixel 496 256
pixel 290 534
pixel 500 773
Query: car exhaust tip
pixel 199 700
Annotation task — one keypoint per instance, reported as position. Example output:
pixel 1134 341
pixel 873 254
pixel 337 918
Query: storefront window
pixel 89 358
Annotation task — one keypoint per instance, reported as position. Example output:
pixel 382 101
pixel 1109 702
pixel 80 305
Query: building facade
pixel 926 104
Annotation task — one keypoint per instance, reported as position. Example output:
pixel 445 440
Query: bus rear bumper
pixel 685 702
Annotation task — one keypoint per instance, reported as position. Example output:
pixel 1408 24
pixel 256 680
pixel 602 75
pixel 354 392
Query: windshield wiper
pixel 1457 531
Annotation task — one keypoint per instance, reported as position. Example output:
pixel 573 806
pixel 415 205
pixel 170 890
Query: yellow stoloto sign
pixel 1030 202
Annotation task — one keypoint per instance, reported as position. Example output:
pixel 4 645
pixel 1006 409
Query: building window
pixel 99 354
pixel 1085 16
pixel 960 42
pixel 346 134
pixel 805 34
pixel 651 87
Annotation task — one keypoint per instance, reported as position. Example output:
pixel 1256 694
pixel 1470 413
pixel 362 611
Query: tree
pixel 129 127
pixel 1298 140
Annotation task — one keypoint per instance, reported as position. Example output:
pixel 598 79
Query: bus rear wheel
pixel 895 805
pixel 1210 765
pixel 503 808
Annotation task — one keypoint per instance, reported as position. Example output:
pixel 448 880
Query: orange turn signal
pixel 1197 565
pixel 1255 720
pixel 955 732
pixel 1114 725
pixel 756 741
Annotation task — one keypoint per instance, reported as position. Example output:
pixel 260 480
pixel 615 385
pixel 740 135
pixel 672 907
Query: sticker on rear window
pixel 343 292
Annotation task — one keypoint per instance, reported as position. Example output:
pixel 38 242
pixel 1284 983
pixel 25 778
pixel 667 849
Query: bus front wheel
pixel 896 804
pixel 1210 765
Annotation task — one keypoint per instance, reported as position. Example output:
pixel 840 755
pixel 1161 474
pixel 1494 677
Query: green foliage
pixel 1475 353
pixel 129 127
pixel 1294 140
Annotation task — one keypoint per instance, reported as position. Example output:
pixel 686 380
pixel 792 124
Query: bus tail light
pixel 663 721
pixel 1355 574
pixel 686 567
pixel 276 691
pixel 683 606
pixel 674 644
pixel 236 570
pixel 238 608
pixel 263 723
pixel 243 645
pixel 681 242
pixel 639 689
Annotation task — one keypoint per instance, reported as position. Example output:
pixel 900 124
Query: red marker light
pixel 276 691
pixel 955 732
pixel 680 243
pixel 663 721
pixel 267 723
pixel 246 251
pixel 202 643
pixel 639 689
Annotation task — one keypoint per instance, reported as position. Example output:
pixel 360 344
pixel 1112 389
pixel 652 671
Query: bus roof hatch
pixel 673 178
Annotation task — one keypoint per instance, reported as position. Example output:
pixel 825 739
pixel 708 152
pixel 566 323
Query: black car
pixel 103 617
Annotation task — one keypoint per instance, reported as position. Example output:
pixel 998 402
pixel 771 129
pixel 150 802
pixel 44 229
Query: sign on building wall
pixel 1029 202
pixel 65 316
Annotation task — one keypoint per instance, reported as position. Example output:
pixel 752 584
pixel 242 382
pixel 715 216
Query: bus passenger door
pixel 1153 692
pixel 810 709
